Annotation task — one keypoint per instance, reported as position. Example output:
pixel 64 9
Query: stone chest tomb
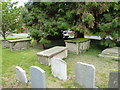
pixel 78 45
pixel 45 56
pixel 19 44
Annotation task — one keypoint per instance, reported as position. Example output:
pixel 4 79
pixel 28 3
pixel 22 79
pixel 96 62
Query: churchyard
pixel 27 58
pixel 56 53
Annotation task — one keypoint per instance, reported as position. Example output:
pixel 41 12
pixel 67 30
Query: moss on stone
pixel 77 40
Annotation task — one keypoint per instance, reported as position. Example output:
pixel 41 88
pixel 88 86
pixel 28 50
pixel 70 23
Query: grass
pixel 12 37
pixel 27 58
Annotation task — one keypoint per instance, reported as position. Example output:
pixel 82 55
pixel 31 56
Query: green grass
pixel 13 38
pixel 27 58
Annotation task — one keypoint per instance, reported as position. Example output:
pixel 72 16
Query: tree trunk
pixel 4 36
pixel 3 33
pixel 79 35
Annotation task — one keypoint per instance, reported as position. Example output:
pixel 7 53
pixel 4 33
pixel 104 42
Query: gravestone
pixel 21 75
pixel 38 78
pixel 114 80
pixel 85 75
pixel 59 68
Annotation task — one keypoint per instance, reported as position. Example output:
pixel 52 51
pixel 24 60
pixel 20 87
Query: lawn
pixel 27 58
pixel 13 37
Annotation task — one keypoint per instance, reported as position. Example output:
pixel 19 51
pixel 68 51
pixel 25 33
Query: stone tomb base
pixel 111 53
pixel 45 56
pixel 78 45
pixel 6 44
pixel 19 44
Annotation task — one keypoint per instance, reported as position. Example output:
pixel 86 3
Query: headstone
pixel 59 68
pixel 113 79
pixel 38 78
pixel 21 75
pixel 85 75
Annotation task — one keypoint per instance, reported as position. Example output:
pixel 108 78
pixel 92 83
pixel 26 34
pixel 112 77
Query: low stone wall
pixel 78 46
pixel 19 44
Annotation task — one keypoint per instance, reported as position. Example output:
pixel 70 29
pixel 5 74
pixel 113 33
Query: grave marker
pixel 21 75
pixel 38 78
pixel 85 75
pixel 113 79
pixel 59 68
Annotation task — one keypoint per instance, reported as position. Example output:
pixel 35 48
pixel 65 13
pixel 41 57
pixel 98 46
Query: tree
pixel 84 18
pixel 101 19
pixel 11 18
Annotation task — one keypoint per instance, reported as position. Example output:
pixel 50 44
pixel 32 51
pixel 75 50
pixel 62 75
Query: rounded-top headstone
pixel 59 68
pixel 85 75
pixel 38 78
pixel 21 75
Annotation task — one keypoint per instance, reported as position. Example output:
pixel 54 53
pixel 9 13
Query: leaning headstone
pixel 38 78
pixel 21 75
pixel 85 75
pixel 113 79
pixel 59 68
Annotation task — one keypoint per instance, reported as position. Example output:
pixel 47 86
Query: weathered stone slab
pixel 59 68
pixel 45 56
pixel 111 53
pixel 85 75
pixel 21 75
pixel 38 78
pixel 5 43
pixel 19 40
pixel 114 79
pixel 19 44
